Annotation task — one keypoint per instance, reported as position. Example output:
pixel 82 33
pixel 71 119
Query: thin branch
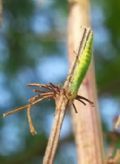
pixel 23 107
pixel 61 104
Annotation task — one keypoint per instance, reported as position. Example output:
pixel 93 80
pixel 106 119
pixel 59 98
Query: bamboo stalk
pixel 86 124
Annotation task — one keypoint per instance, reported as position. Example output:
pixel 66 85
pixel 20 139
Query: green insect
pixel 82 61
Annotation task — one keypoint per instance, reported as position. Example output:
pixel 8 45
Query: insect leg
pixel 78 97
pixel 74 108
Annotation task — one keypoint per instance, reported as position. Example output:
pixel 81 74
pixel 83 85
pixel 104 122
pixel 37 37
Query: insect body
pixel 82 63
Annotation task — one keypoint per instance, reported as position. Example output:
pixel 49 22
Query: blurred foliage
pixel 108 54
pixel 30 31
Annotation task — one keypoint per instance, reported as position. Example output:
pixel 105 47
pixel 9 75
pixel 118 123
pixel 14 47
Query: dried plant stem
pixel 27 106
pixel 61 103
pixel 32 129
pixel 87 127
pixel 15 110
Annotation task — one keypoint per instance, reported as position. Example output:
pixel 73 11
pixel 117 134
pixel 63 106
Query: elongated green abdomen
pixel 82 65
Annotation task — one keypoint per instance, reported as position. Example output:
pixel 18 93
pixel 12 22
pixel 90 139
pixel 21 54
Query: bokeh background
pixel 33 48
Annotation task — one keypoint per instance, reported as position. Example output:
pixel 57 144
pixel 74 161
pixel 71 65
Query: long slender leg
pixel 81 101
pixel 81 97
pixel 74 108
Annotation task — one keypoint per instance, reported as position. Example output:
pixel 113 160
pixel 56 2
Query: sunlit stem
pixel 32 129
pixel 15 110
pixel 26 106
pixel 117 123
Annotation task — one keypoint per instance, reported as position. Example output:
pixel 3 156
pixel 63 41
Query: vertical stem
pixel 61 103
pixel 86 123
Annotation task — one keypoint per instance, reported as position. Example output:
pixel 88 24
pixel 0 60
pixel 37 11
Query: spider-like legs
pixel 82 100
pixel 79 98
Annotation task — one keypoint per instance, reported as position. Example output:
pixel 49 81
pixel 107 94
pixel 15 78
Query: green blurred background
pixel 33 48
